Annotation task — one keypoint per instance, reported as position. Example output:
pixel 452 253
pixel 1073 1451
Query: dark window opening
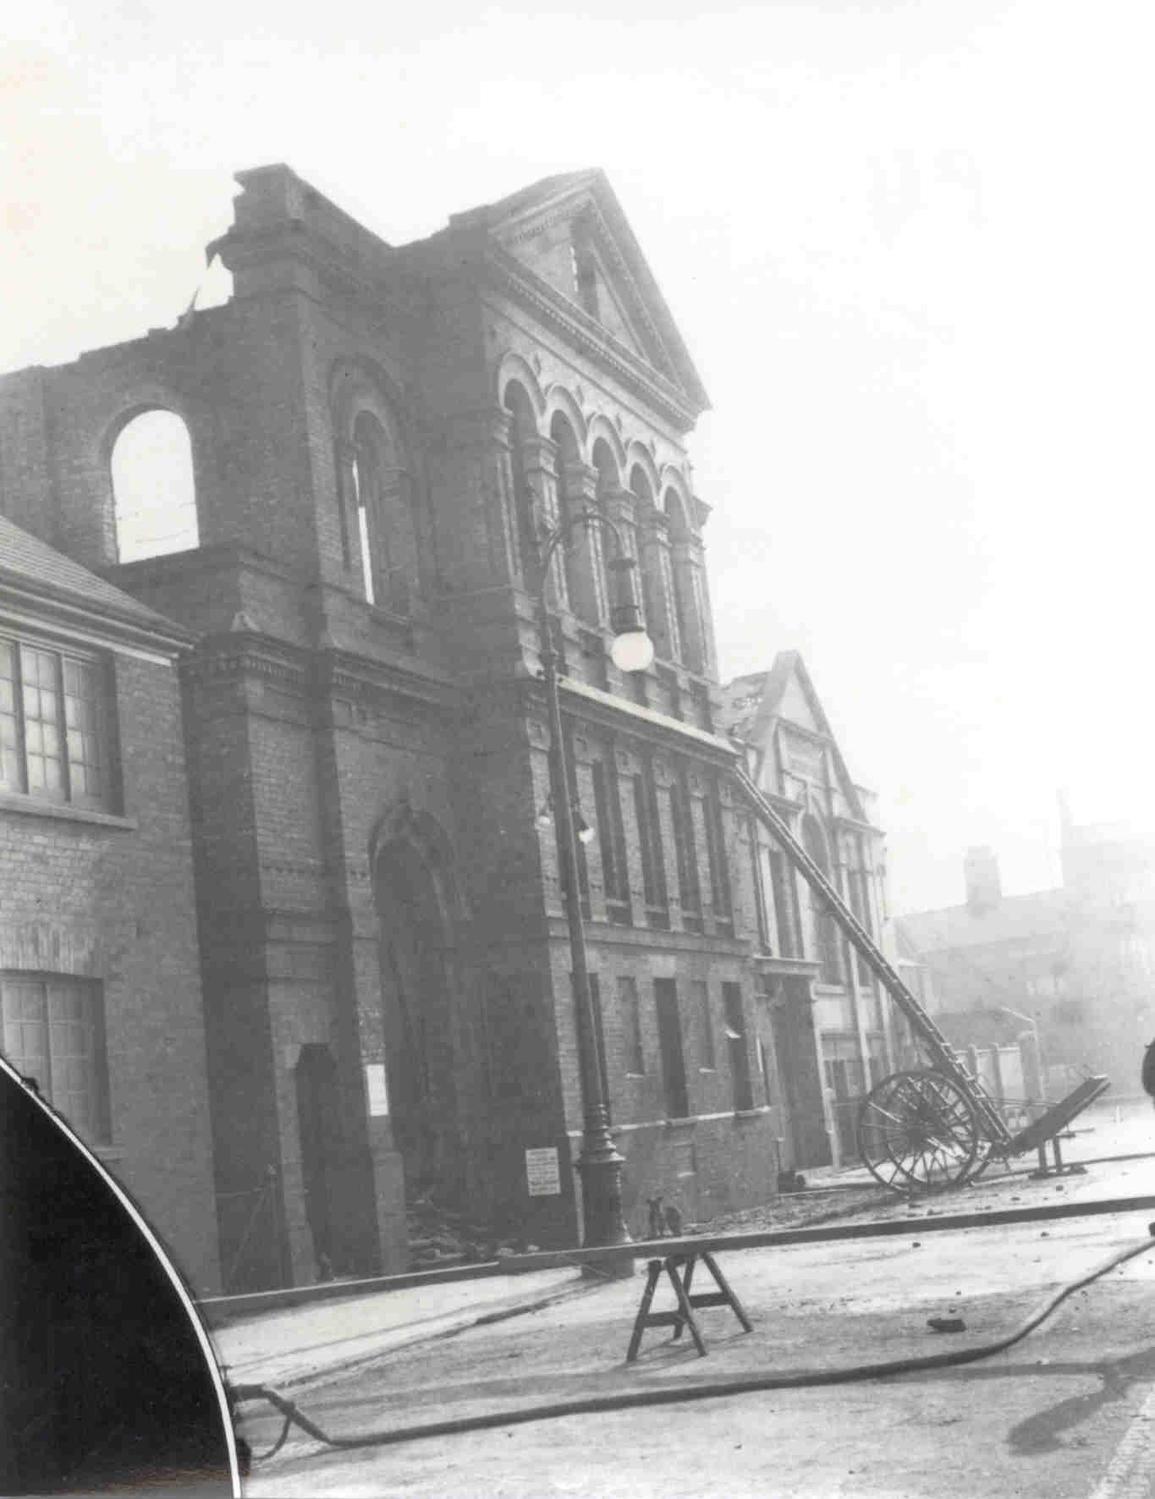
pixel 719 865
pixel 611 842
pixel 707 1050
pixel 670 1047
pixel 631 1010
pixel 739 1051
pixel 650 848
pixel 686 856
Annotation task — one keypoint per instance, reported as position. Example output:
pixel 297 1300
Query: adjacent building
pixel 362 448
pixel 837 1033
pixel 100 990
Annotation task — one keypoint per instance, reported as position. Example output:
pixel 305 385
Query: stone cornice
pixel 342 673
pixel 623 716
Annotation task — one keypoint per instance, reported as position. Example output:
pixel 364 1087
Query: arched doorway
pixel 418 981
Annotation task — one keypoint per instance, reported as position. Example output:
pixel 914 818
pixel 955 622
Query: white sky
pixel 910 247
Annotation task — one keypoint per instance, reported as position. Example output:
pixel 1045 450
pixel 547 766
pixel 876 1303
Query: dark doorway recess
pixel 418 983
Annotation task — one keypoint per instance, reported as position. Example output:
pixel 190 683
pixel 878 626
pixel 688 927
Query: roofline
pixel 122 626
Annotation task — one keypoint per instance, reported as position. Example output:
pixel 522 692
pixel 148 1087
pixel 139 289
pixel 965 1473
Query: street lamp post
pixel 599 1164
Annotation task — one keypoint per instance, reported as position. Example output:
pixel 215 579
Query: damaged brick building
pixel 373 434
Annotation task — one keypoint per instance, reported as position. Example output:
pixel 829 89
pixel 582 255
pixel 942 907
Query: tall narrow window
pixel 670 1046
pixel 650 848
pixel 719 864
pixel 761 924
pixel 631 1012
pixel 785 909
pixel 521 429
pixel 686 854
pixel 764 1066
pixel 738 1047
pixel 825 931
pixel 611 841
pixel 686 606
pixel 707 1052
pixel 153 489
pixel 386 524
pixel 53 1031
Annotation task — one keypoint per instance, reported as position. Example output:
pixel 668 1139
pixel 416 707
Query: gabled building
pixel 100 995
pixel 374 436
pixel 836 1031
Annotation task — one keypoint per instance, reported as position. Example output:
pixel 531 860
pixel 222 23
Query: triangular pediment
pixel 570 233
pixel 796 707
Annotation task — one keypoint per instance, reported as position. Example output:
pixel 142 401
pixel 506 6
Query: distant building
pixel 1076 963
pixel 837 1033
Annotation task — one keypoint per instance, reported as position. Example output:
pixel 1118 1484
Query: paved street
pixel 1068 1412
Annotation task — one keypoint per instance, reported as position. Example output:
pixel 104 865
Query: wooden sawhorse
pixel 680 1270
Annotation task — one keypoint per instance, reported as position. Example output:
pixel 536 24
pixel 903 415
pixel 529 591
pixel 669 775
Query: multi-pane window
pixel 739 1051
pixel 719 865
pixel 53 1032
pixel 686 854
pixel 611 841
pixel 53 725
pixel 630 1005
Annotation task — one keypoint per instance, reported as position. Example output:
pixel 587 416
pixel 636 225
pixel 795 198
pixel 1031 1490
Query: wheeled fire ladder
pixel 931 1128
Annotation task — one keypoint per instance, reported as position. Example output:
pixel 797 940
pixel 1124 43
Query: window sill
pixel 707 1069
pixel 752 1113
pixel 681 1121
pixel 28 806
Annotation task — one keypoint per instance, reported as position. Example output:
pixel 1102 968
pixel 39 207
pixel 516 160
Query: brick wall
pixel 113 903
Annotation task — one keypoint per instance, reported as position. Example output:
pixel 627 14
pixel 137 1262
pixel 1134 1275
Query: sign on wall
pixel 542 1172
pixel 377 1089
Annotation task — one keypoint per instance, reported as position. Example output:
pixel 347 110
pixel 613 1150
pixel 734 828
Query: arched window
pixel 686 605
pixel 656 582
pixel 383 495
pixel 153 489
pixel 580 549
pixel 825 931
pixel 521 428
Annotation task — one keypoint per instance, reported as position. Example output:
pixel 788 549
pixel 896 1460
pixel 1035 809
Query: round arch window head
pixel 632 650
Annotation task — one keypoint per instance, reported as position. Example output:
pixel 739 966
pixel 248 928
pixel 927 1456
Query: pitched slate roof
pixel 32 566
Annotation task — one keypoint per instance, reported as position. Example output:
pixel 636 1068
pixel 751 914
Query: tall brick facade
pixel 377 435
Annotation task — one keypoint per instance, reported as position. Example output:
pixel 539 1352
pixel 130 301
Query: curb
pixel 402 1344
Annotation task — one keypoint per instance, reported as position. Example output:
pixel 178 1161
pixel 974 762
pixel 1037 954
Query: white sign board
pixel 542 1172
pixel 376 1088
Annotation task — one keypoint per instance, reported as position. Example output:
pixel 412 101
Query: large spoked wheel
pixel 919 1131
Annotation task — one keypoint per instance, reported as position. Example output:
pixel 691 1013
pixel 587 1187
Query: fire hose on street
pixel 713 1389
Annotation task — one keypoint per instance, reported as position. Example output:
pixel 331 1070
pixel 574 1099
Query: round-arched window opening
pixel 153 489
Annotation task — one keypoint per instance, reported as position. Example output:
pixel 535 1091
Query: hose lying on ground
pixel 701 1390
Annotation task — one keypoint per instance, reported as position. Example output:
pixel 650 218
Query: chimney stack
pixel 981 872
